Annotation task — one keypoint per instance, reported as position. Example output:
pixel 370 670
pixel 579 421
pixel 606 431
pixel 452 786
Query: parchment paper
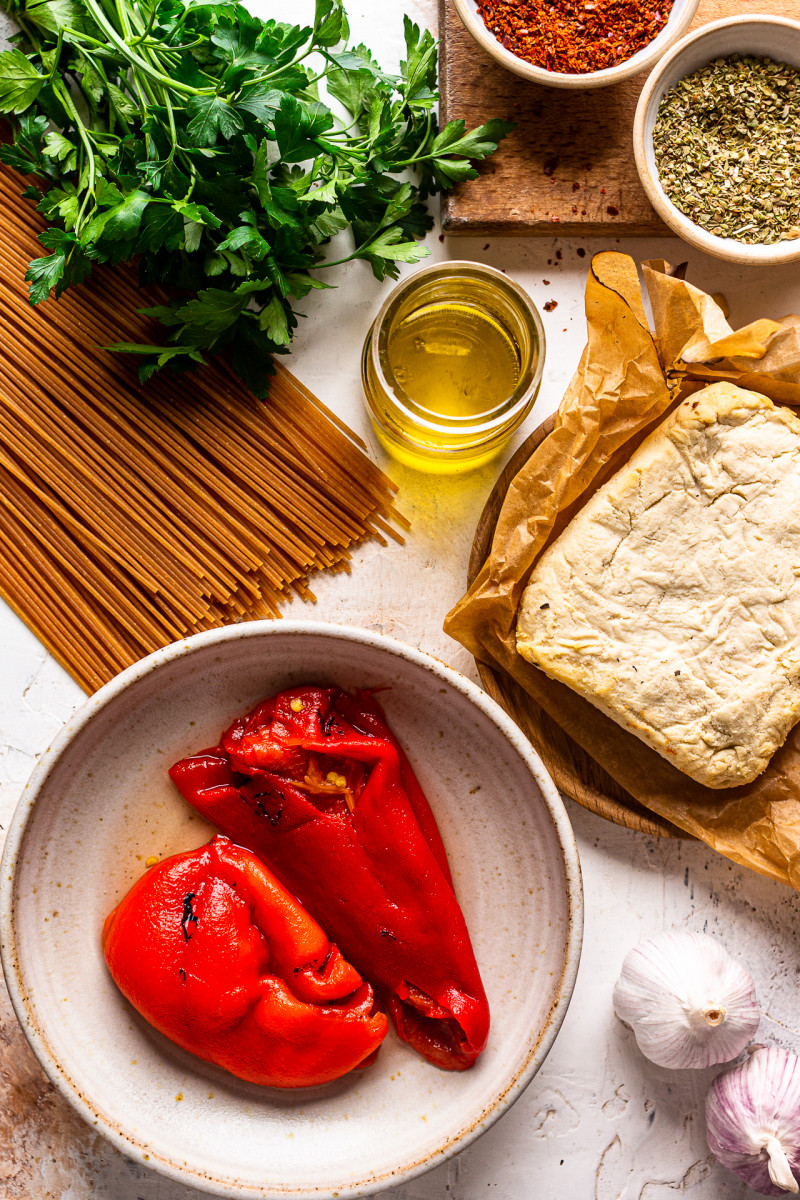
pixel 627 380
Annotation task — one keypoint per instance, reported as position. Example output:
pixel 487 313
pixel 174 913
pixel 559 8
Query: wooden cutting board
pixel 567 169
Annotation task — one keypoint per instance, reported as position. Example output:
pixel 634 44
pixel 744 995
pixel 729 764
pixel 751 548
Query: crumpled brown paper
pixel 627 380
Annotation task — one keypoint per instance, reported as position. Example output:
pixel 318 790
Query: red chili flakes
pixel 612 210
pixel 575 36
pixel 576 187
pixel 550 165
pixel 546 282
pixel 551 304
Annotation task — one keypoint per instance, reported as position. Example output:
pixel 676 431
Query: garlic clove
pixel 753 1121
pixel 688 1002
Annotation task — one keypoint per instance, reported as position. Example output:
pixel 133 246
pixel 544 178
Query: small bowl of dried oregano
pixel 716 139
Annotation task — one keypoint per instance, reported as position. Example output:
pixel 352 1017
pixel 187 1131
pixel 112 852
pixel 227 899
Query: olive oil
pixel 453 360
pixel 452 366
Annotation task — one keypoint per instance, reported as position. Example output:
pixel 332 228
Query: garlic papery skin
pixel 753 1120
pixel 688 1002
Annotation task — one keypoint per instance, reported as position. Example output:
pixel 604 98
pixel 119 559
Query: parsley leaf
pixel 20 82
pixel 213 118
pixel 44 274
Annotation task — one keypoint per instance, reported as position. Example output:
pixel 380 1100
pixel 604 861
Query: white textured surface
pixel 597 1123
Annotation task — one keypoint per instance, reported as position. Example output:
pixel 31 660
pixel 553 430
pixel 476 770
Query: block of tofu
pixel 672 600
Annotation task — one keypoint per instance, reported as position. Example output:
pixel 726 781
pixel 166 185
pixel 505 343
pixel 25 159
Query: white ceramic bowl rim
pixel 16 834
pixel 680 18
pixel 756 253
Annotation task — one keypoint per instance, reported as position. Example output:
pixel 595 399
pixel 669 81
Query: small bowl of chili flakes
pixel 576 43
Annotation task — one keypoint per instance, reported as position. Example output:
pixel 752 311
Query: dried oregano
pixel 727 146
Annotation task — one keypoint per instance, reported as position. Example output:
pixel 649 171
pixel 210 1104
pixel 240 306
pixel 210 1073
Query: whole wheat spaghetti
pixel 131 516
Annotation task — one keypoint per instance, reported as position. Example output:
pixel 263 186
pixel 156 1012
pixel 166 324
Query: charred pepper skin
pixel 213 951
pixel 315 783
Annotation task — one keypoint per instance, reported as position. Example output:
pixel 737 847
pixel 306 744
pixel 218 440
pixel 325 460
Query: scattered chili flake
pixel 441 237
pixel 559 255
pixel 556 219
pixel 551 304
pixel 574 36
pixel 612 211
pixel 576 187
pixel 550 165
pixel 546 282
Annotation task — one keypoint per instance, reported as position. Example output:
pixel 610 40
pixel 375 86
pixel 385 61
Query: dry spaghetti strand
pixel 132 517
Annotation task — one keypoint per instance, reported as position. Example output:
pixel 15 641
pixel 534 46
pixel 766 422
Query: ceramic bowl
pixel 680 18
pixel 100 803
pixel 760 36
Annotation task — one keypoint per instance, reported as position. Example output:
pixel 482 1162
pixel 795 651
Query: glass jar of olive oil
pixel 452 366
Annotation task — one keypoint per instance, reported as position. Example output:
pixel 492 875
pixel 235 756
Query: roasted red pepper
pixel 315 783
pixel 214 952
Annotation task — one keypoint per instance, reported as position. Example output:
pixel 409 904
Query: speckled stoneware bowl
pixel 762 36
pixel 100 802
pixel 680 18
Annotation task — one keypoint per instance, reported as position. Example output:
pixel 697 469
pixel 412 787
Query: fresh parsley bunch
pixel 195 137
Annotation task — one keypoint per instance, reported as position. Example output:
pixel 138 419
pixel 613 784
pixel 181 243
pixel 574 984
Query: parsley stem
pixel 136 60
pixel 61 90
pixel 419 156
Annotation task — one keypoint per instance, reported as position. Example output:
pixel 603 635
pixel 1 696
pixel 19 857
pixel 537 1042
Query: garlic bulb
pixel 688 1002
pixel 753 1119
